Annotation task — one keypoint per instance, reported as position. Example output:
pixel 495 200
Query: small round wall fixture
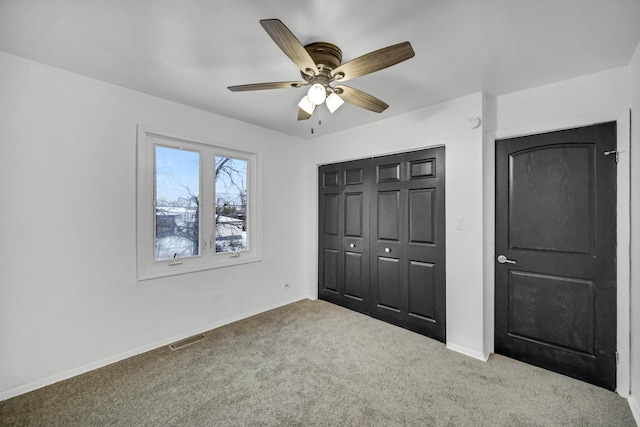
pixel 473 122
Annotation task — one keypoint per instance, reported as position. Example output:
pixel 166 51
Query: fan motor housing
pixel 327 56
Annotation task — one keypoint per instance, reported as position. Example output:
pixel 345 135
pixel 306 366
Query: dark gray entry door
pixel 555 292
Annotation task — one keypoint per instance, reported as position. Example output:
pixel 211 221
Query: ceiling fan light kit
pixel 317 93
pixel 334 102
pixel 320 64
pixel 306 105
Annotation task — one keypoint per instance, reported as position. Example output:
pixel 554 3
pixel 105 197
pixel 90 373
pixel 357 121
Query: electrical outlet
pixel 215 296
pixel 286 286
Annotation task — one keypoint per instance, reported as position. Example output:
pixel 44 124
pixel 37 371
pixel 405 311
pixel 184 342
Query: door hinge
pixel 617 358
pixel 616 152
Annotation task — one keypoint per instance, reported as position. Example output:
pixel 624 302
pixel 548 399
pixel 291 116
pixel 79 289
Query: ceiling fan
pixel 321 65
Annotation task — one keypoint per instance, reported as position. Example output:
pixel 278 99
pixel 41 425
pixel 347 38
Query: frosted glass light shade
pixel 317 93
pixel 306 105
pixel 334 102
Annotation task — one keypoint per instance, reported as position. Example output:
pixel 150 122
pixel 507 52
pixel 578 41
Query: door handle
pixel 352 245
pixel 504 260
pixel 387 250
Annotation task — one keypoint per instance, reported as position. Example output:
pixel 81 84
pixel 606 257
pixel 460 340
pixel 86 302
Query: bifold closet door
pixel 382 240
pixel 407 281
pixel 343 264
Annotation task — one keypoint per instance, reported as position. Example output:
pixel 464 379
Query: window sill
pixel 165 269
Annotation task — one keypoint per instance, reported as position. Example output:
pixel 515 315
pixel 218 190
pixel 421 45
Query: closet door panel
pixel 422 291
pixel 425 247
pixel 329 231
pixel 388 216
pixel 343 273
pixel 355 239
pixel 421 215
pixel 388 297
pixel 389 270
pixel 355 287
pixel 353 214
pixel 330 270
pixel 330 214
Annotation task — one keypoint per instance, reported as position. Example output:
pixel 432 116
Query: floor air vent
pixel 185 342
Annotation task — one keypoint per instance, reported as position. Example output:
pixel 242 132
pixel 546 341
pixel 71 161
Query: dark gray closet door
pixel 382 239
pixel 408 242
pixel 343 267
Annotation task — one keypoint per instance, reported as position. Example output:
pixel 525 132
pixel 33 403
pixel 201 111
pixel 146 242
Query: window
pixel 197 206
pixel 231 204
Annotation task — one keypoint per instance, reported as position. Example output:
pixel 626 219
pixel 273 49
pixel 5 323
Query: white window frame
pixel 147 266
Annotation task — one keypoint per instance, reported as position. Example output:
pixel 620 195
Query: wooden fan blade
pixel 303 115
pixel 361 99
pixel 374 61
pixel 290 45
pixel 262 86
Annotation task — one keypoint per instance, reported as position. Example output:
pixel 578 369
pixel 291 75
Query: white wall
pixel 634 78
pixel 569 99
pixel 69 299
pixel 442 124
pixel 577 102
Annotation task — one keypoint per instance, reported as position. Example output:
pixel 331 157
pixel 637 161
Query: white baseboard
pixel 467 352
pixel 635 408
pixel 25 388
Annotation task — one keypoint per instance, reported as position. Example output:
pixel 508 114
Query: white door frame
pixel 623 120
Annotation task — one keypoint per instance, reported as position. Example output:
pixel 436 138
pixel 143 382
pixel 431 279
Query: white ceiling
pixel 189 51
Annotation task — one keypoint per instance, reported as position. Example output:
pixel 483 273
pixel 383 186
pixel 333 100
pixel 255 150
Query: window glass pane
pixel 231 204
pixel 177 194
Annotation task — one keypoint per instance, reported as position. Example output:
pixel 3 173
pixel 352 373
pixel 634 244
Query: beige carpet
pixel 316 364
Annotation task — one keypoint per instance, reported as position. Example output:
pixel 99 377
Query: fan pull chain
pixel 319 123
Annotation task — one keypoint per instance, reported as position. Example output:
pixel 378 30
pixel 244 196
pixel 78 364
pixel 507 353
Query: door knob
pixel 352 245
pixel 387 250
pixel 504 260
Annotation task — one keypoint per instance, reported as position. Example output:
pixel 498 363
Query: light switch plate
pixel 457 223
